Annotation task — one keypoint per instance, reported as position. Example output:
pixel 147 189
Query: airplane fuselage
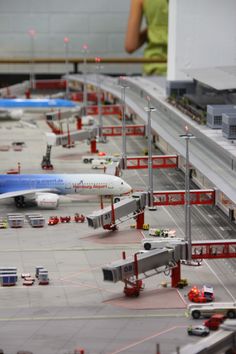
pixel 92 184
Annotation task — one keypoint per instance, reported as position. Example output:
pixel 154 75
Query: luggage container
pixel 15 220
pixel 43 277
pixel 37 221
pixel 37 269
pixel 8 271
pixel 33 215
pixel 8 279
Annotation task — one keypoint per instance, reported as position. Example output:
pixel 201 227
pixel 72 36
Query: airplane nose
pixel 127 188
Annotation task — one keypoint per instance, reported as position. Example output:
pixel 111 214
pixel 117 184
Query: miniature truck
pixel 162 232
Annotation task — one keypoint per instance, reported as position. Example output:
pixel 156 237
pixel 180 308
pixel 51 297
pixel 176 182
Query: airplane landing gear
pixel 20 201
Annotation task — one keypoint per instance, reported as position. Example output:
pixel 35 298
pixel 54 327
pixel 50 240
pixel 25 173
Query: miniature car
pixel 28 282
pixel 215 321
pixel 208 292
pixel 53 220
pixel 79 218
pixel 162 232
pixel 25 275
pixel 3 225
pixel 145 226
pixel 198 330
pixel 65 219
pixel 101 153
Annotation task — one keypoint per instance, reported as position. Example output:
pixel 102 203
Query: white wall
pixel 99 23
pixel 202 33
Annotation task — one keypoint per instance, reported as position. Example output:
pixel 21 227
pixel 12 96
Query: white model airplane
pixel 45 189
pixel 11 114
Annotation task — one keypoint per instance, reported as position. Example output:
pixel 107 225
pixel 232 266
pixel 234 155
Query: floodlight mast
pixel 98 79
pixel 66 43
pixel 149 109
pixel 188 237
pixel 124 85
pixel 32 34
pixel 85 53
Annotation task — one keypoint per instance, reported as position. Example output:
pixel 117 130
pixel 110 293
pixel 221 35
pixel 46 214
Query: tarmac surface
pixel 78 309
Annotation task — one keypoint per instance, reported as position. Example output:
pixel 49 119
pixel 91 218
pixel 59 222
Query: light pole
pixel 32 34
pixel 187 136
pixel 149 109
pixel 124 85
pixel 100 124
pixel 85 52
pixel 66 43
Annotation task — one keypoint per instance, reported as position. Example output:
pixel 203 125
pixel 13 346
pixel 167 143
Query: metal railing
pixel 80 60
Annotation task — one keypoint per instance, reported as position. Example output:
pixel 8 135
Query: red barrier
pixel 158 161
pixel 50 84
pixel 214 249
pixel 198 197
pixel 131 130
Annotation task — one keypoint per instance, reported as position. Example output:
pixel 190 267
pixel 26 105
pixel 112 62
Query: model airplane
pixel 46 188
pixel 36 104
pixel 11 114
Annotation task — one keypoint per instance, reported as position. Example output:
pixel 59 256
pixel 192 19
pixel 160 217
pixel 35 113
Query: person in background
pixel 155 34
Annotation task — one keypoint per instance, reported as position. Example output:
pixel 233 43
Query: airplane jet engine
pixel 47 200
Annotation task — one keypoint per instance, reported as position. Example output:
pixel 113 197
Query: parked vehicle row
pixel 54 220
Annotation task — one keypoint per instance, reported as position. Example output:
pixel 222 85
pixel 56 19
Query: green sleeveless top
pixel 156 13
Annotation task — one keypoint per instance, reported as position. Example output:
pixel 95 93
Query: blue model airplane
pixel 45 103
pixel 45 189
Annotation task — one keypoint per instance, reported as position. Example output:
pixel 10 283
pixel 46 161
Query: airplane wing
pixel 26 192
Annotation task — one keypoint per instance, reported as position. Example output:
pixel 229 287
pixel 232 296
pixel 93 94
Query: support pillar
pixel 101 202
pixel 93 146
pixel 113 219
pixel 79 351
pixel 27 94
pixel 175 275
pixel 79 123
pixel 140 221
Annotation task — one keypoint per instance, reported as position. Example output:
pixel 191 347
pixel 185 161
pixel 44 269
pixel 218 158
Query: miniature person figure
pixel 155 34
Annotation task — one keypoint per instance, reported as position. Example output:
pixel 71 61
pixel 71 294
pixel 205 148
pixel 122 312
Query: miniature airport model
pixel 69 236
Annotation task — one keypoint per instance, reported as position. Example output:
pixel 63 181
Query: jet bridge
pixel 62 139
pixel 121 211
pixel 157 260
pixel 147 265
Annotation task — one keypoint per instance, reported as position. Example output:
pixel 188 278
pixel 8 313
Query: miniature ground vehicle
pixel 182 283
pixel 145 226
pixel 206 294
pixel 3 224
pixel 64 219
pixel 228 309
pixel 198 330
pixel 89 159
pixel 99 163
pixel 25 275
pixel 28 280
pixel 53 220
pixel 196 295
pixel 214 321
pixel 162 232
pixel 79 218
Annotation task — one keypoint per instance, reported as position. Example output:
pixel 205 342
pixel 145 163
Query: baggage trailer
pixel 15 220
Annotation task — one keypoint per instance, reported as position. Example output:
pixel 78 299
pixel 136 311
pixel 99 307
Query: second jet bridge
pixel 123 210
pixel 156 261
